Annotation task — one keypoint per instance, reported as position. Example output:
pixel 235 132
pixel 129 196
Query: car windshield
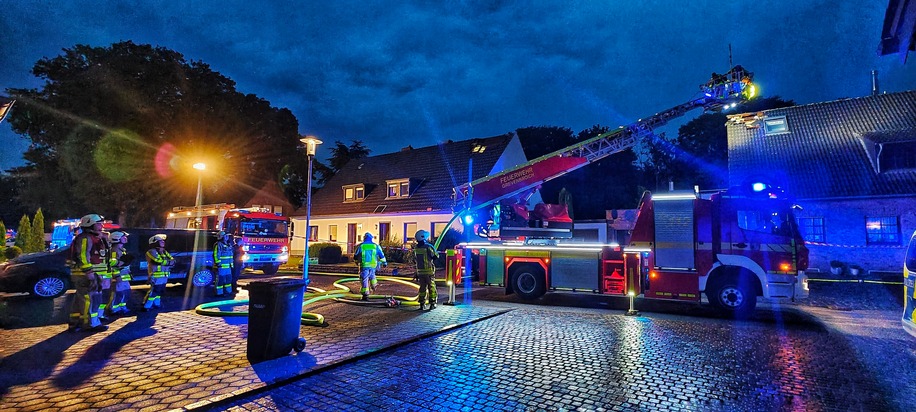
pixel 264 227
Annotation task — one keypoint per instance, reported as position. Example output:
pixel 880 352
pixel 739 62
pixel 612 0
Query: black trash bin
pixel 274 318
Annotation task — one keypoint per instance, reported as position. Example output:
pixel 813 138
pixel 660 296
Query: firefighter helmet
pixel 221 234
pixel 157 238
pixel 421 236
pixel 367 237
pixel 117 235
pixel 89 220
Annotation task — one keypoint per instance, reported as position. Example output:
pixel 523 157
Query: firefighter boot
pixel 422 305
pixel 432 305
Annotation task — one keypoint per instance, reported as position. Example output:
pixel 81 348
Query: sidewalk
pixel 182 360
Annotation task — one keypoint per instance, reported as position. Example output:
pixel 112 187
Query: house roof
pixel 433 170
pixel 830 148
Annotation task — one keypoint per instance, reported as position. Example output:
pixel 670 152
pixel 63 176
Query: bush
pixel 394 249
pixel 327 253
pixel 12 252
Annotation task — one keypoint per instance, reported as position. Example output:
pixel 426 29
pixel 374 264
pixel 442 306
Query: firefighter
pixel 368 256
pixel 424 254
pixel 222 264
pixel 119 262
pixel 103 270
pixel 237 263
pixel 85 256
pixel 158 264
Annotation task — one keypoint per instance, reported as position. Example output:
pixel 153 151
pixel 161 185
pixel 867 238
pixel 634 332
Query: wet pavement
pixel 568 352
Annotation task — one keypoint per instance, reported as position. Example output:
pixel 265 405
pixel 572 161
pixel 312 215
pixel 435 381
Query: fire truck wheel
pixel 734 296
pixel 270 270
pixel 528 282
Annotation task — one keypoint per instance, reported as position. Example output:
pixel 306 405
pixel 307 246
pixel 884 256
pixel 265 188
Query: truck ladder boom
pixel 720 92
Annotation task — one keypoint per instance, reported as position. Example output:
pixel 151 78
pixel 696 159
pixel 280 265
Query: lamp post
pixel 311 145
pixel 200 166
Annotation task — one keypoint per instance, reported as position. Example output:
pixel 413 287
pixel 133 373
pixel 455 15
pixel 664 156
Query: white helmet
pixel 116 236
pixel 89 220
pixel 421 236
pixel 368 237
pixel 157 238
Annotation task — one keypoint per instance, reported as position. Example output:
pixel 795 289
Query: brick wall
pixel 844 226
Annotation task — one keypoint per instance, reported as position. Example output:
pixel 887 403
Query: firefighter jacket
pixel 368 255
pixel 157 263
pixel 86 252
pixel 119 265
pixel 425 253
pixel 103 268
pixel 222 255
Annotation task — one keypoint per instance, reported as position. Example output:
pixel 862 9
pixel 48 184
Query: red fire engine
pixel 262 235
pixel 732 246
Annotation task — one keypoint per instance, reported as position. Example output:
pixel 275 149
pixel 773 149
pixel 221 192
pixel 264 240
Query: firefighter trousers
pixel 224 281
pixel 156 289
pixel 105 284
pixel 367 280
pixel 119 296
pixel 427 288
pixel 84 312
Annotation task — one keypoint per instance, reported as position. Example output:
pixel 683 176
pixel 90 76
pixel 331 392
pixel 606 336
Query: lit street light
pixel 311 145
pixel 200 167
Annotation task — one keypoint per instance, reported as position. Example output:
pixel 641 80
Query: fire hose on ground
pixel 344 295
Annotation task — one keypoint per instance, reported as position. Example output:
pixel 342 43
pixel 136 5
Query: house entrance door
pixel 351 238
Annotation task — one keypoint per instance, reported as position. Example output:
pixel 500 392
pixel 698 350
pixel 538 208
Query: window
pixel 883 230
pixel 775 125
pixel 354 193
pixel 410 229
pixel 812 228
pixel 332 233
pixel 398 188
pixel 438 228
pixel 384 230
pixel 767 221
pixel 899 155
pixel 313 233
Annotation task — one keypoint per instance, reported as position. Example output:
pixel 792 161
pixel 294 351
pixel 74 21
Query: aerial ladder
pixel 721 92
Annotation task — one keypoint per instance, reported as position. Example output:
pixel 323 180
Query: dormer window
pixel 398 189
pixel 354 193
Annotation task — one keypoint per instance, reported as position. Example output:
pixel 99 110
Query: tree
pixel 115 129
pixel 37 231
pixel 24 233
pixel 610 183
pixel 3 233
pixel 699 153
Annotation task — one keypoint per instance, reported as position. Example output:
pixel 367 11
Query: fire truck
pixel 262 235
pixel 732 246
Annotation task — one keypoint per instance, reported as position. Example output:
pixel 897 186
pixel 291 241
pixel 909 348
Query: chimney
pixel 407 149
pixel 874 83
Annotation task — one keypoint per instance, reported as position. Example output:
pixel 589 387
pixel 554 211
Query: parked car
pixel 42 274
pixel 47 275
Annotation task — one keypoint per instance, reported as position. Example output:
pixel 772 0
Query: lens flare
pixel 116 154
pixel 165 160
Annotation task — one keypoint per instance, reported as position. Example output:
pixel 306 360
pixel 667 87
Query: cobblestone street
pixel 493 352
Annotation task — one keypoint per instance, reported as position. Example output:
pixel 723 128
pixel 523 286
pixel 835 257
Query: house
pixel 850 164
pixel 393 195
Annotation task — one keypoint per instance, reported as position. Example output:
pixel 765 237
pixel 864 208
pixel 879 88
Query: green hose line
pixel 308 318
pixel 354 298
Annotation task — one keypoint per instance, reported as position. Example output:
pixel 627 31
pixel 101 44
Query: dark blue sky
pixel 396 73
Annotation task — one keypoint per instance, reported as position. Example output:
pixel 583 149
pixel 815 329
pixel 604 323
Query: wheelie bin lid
pixel 275 284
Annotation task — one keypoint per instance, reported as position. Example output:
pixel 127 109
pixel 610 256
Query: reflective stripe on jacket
pixel 425 253
pixel 222 255
pixel 368 255
pixel 156 262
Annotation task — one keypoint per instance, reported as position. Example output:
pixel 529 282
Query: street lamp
pixel 311 145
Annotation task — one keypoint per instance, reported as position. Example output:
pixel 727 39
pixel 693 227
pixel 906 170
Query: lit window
pixel 884 230
pixel 478 148
pixel 398 188
pixel 775 125
pixel 313 233
pixel 354 193
pixel 332 233
pixel 410 229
